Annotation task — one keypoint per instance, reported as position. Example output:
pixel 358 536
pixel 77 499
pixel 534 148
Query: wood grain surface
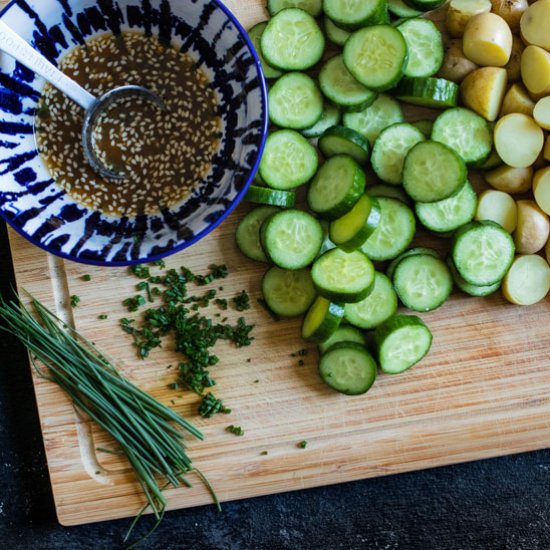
pixel 484 390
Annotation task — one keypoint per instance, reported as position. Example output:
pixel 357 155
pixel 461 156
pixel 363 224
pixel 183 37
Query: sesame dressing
pixel 164 155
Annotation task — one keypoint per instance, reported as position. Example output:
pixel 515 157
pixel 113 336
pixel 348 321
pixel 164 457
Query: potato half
pixel 518 140
pixel 461 11
pixel 517 100
pixel 527 281
pixel 534 24
pixel 487 40
pixel 535 70
pixel 510 180
pixel 533 228
pixel 483 91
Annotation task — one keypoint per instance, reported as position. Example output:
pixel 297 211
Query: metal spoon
pixel 15 46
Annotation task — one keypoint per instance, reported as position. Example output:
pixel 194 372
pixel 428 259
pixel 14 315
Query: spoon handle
pixel 15 46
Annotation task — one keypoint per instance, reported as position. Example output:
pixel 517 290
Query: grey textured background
pixel 495 504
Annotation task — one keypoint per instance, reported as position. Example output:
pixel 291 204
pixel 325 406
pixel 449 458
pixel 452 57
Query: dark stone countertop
pixel 502 503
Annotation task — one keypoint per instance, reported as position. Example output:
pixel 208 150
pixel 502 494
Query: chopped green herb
pixel 133 304
pixel 241 302
pixel 141 271
pixel 301 363
pixel 221 303
pixel 102 317
pixel 160 263
pixel 264 453
pixel 86 278
pixel 75 300
pixel 211 406
pixel 42 111
pixel 302 444
pixel 235 430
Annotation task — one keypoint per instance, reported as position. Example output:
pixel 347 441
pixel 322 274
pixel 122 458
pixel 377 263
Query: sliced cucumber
pixel 334 33
pixel 255 35
pixel 295 102
pixel 394 233
pixel 402 342
pixel 433 172
pixel 331 117
pixel 353 14
pixel 466 132
pixel 344 141
pixel 337 186
pixel 313 7
pixel 288 293
pixel 291 239
pixel 472 290
pixel 411 252
pixel 422 282
pixel 343 277
pixel 376 308
pixel 288 161
pixel 400 9
pixel 483 253
pixel 436 93
pixel 292 41
pixel 352 230
pixel 425 47
pixel 376 56
pixel 390 149
pixel 449 214
pixel 272 197
pixel 247 235
pixel 344 333
pixel 425 126
pixel 369 122
pixel 322 320
pixel 348 368
pixel 389 191
pixel 339 85
pixel 327 243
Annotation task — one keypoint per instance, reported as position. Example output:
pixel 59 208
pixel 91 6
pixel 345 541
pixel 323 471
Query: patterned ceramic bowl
pixel 31 201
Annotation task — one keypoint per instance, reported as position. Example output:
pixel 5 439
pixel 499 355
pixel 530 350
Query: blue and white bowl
pixel 31 201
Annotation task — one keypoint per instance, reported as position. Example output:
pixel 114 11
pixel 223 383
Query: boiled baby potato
pixel 518 140
pixel 455 65
pixel 513 67
pixel 534 24
pixel 541 189
pixel 487 40
pixel 461 11
pixel 533 228
pixel 511 11
pixel 517 100
pixel 483 91
pixel 510 180
pixel 535 70
pixel 527 281
pixel 541 113
pixel 498 207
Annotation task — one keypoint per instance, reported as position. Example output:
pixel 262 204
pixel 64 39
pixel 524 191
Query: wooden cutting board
pixel 484 390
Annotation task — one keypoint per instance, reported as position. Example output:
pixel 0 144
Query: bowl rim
pixel 236 201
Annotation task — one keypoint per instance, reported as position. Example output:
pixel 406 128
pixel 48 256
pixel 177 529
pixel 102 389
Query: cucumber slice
pixel 292 41
pixel 425 5
pixel 369 122
pixel 449 214
pixel 376 308
pixel 466 132
pixel 337 186
pixel 327 243
pixel 339 86
pixel 400 9
pixel 288 160
pixel 352 230
pixel 353 14
pixel 472 290
pixel 425 46
pixel 334 33
pixel 348 368
pixel 295 102
pixel 344 333
pixel 433 172
pixel 343 277
pixel 394 233
pixel 483 253
pixel 291 239
pixel 376 56
pixel 331 117
pixel 390 149
pixel 255 35
pixel 425 126
pixel 273 197
pixel 527 281
pixel 322 320
pixel 313 7
pixel 247 235
pixel 411 252
pixel 436 93
pixel 288 293
pixel 422 282
pixel 388 191
pixel 402 342
pixel 344 141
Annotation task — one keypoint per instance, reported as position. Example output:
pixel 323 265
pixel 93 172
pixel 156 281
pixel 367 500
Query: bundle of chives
pixel 145 429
